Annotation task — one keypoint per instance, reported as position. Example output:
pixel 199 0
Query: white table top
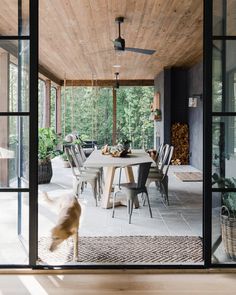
pixel 97 159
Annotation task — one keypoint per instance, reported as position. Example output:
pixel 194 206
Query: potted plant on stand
pixel 47 143
pixel 228 224
pixel 228 214
pixel 66 163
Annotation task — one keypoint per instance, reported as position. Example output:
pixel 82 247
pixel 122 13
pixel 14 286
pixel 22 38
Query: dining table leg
pixel 109 177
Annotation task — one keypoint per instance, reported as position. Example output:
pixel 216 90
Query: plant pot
pixel 44 171
pixel 228 232
pixel 66 164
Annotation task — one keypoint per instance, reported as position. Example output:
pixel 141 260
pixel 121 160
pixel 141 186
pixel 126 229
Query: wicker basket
pixel 228 231
pixel 44 172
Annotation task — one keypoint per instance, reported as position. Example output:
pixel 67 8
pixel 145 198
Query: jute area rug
pixel 189 176
pixel 125 249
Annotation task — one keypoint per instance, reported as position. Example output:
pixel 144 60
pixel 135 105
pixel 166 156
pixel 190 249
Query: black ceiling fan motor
pixel 119 43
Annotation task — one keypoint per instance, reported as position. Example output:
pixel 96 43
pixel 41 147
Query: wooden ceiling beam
pixel 108 83
pixel 46 73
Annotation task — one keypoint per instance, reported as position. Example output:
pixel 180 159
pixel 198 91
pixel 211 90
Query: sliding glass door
pixel 18 107
pixel 220 121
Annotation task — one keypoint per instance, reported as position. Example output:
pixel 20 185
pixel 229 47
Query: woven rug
pixel 125 249
pixel 189 176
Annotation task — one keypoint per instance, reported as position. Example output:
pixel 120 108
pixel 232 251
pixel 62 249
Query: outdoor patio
pixel 182 217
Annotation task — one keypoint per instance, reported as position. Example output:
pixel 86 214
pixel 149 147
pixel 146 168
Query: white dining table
pixel 97 159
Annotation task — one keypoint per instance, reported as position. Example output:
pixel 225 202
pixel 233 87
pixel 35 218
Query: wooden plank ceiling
pixel 75 36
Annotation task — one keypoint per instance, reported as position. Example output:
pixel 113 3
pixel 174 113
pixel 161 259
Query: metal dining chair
pixel 82 176
pixel 83 158
pixel 132 190
pixel 160 175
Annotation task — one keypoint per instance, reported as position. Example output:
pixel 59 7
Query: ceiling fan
pixel 119 43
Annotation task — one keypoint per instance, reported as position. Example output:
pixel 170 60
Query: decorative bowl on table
pixel 120 150
pixel 105 150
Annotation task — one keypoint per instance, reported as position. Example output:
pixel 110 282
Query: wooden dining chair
pixel 131 190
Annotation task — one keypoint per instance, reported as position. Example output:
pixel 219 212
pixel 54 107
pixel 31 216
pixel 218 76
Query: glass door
pixel 220 116
pixel 18 104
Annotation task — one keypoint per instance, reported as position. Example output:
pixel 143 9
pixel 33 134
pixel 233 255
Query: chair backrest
pixel 163 158
pixel 73 159
pixel 81 151
pixel 159 153
pixel 168 160
pixel 143 174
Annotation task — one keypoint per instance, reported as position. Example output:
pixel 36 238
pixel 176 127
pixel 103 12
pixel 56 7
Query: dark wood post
pixel 47 105
pixel 58 110
pixel 114 117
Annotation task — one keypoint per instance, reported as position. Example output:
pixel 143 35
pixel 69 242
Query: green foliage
pixel 89 112
pixel 47 143
pixel 228 198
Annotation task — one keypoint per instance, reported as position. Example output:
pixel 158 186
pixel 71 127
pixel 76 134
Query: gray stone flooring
pixel 182 217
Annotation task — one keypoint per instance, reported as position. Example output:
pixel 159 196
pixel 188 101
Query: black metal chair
pixel 132 190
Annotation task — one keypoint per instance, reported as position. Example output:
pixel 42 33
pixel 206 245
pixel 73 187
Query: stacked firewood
pixel 180 141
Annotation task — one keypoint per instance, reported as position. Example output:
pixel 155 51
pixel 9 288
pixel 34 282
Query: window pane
pixel 88 111
pixel 14 223
pixel 231 19
pixel 9 13
pixel 14 151
pixel 224 20
pixel 133 116
pixel 223 219
pixel 14 76
pixel 53 107
pixel 224 76
pixel 224 151
pixel 217 76
pixel 218 17
pixel 41 102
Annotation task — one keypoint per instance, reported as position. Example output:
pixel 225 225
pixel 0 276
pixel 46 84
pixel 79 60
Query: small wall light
pixel 193 101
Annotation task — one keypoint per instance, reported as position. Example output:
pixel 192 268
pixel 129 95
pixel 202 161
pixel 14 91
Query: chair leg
pixel 120 177
pixel 150 210
pixel 113 204
pixel 131 205
pixel 100 180
pixel 94 189
pixel 99 188
pixel 164 185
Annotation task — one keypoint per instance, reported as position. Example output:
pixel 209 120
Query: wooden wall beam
pixel 11 48
pixel 58 110
pixel 46 73
pixel 108 83
pixel 47 104
pixel 114 117
pixel 4 107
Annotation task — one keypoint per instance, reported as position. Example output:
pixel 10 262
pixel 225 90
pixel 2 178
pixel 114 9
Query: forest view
pixel 89 111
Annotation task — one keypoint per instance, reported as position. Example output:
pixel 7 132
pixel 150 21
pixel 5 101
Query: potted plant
pixel 47 143
pixel 64 158
pixel 155 115
pixel 228 224
pixel 228 214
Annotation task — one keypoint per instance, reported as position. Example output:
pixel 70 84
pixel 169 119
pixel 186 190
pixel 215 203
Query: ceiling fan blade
pixel 139 50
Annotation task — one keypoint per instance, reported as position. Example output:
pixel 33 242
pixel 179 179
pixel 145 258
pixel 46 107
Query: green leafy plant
pixel 64 157
pixel 47 143
pixel 229 200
